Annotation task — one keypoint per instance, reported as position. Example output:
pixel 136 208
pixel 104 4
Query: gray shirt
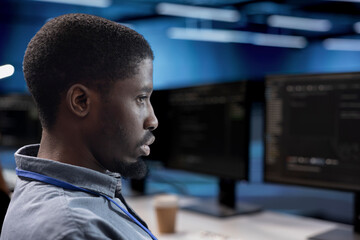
pixel 42 211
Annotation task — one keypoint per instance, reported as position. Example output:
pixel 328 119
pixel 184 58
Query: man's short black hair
pixel 79 48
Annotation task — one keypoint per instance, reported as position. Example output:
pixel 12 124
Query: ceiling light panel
pixel 88 3
pixel 341 44
pixel 299 23
pixel 179 10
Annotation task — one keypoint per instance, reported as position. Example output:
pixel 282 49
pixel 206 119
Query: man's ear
pixel 78 100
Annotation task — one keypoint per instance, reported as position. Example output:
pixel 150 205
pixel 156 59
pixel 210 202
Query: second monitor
pixel 207 131
pixel 313 135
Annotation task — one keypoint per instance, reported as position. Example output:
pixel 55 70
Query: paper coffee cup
pixel 166 207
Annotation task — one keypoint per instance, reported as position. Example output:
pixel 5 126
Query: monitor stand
pixel 344 234
pixel 138 187
pixel 226 204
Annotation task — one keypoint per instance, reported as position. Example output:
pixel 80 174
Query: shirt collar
pixel 26 159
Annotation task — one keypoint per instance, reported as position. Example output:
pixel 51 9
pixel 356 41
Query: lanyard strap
pixel 65 185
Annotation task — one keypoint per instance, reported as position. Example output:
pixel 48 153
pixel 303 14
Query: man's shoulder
pixel 48 212
pixel 41 210
pixel 40 202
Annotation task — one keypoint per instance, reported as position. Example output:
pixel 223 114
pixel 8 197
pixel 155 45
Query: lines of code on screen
pixel 313 130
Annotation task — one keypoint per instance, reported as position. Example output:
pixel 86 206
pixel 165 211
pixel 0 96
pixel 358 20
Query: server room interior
pixel 193 50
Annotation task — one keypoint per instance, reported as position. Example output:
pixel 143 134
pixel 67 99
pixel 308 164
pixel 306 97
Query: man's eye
pixel 142 99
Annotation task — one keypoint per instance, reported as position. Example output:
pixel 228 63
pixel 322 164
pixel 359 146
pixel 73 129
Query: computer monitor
pixel 207 131
pixel 19 122
pixel 312 135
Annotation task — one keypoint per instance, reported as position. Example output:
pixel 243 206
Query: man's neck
pixel 57 146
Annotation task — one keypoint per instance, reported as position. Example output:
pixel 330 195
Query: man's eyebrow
pixel 146 89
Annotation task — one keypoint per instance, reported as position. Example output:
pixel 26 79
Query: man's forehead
pixel 136 83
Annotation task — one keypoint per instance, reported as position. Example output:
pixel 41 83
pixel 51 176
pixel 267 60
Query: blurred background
pixel 199 42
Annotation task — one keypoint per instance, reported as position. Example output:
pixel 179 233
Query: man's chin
pixel 134 170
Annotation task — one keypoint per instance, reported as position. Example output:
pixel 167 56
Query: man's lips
pixel 151 141
pixel 145 147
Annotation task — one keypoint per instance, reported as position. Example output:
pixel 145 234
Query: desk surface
pixel 265 225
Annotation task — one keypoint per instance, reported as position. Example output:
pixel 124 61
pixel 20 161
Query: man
pixel 91 79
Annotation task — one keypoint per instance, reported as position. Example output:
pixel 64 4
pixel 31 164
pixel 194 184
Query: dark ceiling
pixel 254 14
